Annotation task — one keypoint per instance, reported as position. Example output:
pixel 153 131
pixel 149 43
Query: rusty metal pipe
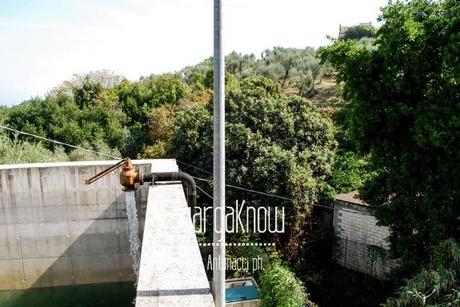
pixel 129 175
pixel 105 172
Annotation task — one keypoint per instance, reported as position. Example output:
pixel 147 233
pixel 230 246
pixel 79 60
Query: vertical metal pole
pixel 219 161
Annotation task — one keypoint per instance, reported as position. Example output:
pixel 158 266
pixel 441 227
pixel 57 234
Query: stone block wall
pixel 358 235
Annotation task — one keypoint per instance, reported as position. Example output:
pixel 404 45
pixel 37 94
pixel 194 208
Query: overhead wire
pixel 247 190
pixel 275 196
pixel 234 185
pixel 198 187
pixel 204 192
pixel 59 142
pixel 206 171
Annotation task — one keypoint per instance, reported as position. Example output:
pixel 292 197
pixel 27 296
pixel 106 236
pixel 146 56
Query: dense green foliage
pixel 350 172
pixel 404 106
pixel 396 137
pixel 359 31
pixel 3 114
pixel 334 285
pixel 296 70
pixel 60 117
pixel 101 110
pixel 277 141
pixel 436 285
pixel 280 288
pixel 15 151
pixel 278 144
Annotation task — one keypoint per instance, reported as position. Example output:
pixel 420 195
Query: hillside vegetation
pixel 376 111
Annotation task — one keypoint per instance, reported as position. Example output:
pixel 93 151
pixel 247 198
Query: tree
pixel 97 117
pixel 139 99
pixel 277 144
pixel 404 102
pixel 47 117
pixel 350 172
pixel 239 65
pixel 359 31
pixel 105 119
pixel 295 69
pixel 164 89
pixel 190 73
pixel 307 71
pixel 279 63
pixel 85 93
pixel 208 80
pixel 160 123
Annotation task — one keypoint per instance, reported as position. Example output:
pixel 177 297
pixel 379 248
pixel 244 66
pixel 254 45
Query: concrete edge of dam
pixel 171 270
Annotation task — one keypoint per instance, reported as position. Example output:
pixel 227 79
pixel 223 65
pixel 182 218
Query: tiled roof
pixel 352 198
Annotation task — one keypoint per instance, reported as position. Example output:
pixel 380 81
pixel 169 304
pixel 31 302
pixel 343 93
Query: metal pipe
pixel 105 172
pixel 186 179
pixel 219 161
pixel 131 176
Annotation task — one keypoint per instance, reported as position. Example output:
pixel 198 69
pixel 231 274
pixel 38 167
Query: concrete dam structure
pixel 57 231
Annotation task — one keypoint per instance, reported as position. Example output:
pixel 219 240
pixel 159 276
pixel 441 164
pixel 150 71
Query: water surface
pixel 100 295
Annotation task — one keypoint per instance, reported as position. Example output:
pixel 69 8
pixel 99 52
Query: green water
pixel 100 295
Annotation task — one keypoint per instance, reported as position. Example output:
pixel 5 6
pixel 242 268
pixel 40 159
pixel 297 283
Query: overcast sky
pixel 44 42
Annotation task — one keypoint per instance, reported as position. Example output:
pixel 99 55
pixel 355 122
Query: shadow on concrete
pixel 94 270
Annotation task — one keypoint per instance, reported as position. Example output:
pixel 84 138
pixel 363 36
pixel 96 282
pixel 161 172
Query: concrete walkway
pixel 171 269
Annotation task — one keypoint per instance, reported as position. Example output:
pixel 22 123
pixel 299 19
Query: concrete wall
pixel 55 230
pixel 356 229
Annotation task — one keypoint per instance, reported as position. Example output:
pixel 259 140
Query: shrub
pixel 17 151
pixel 281 288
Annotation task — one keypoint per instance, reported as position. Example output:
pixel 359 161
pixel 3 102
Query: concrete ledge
pixel 83 163
pixel 171 269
